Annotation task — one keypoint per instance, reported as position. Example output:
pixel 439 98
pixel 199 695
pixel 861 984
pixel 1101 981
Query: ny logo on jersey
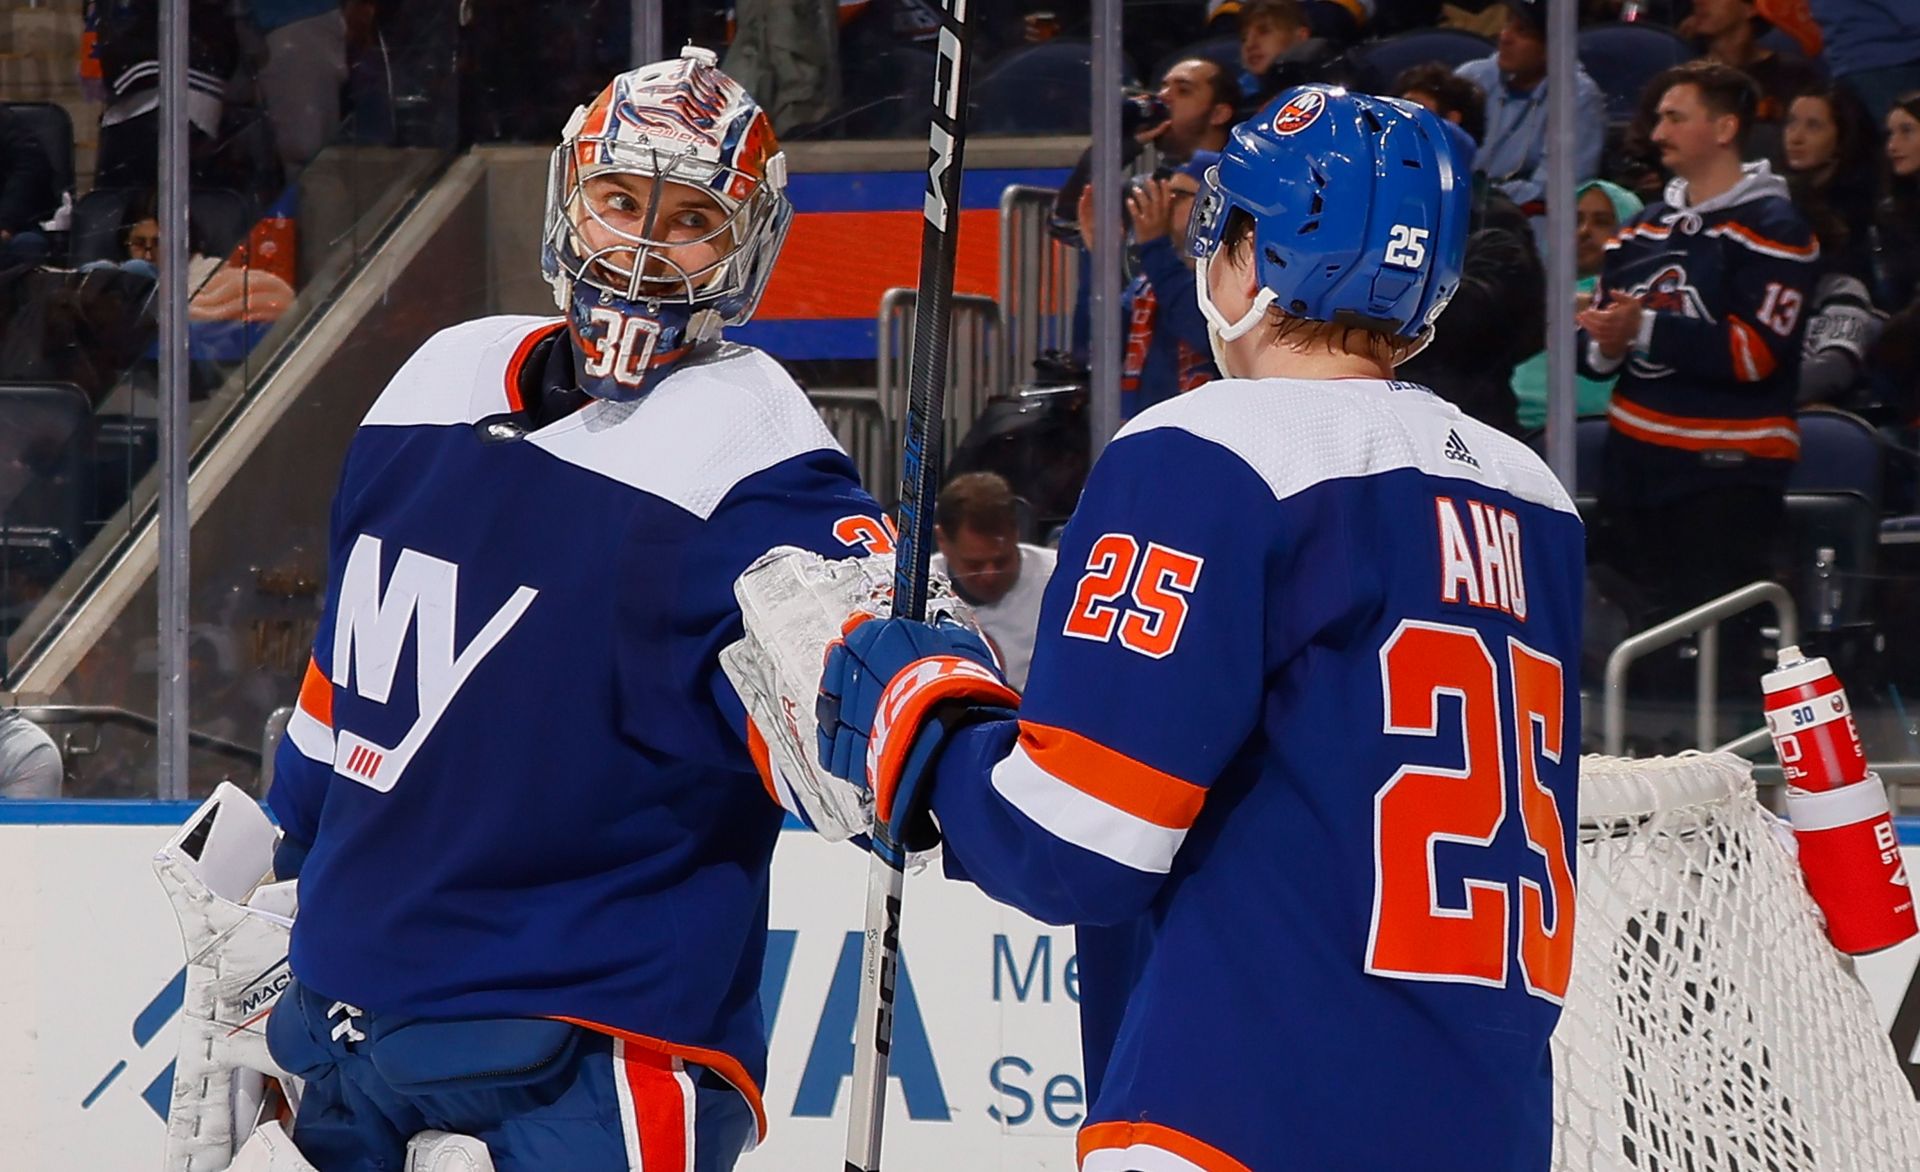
pixel 369 641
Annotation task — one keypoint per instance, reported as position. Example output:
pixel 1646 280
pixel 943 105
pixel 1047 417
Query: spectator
pixel 1201 99
pixel 1513 152
pixel 1829 151
pixel 1278 51
pixel 306 49
pixel 217 289
pixel 977 527
pixel 1167 348
pixel 788 55
pixel 1340 22
pixel 1896 257
pixel 1700 312
pixel 29 760
pixel 1603 206
pixel 1729 31
pixel 29 192
pixel 1494 318
pixel 128 49
pixel 1873 46
pixel 1447 94
pixel 1463 103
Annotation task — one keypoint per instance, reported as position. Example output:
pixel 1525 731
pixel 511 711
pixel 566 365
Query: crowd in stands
pixel 1791 145
pixel 1747 243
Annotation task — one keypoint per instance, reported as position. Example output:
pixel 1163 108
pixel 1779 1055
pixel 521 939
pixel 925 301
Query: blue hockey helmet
pixel 1360 209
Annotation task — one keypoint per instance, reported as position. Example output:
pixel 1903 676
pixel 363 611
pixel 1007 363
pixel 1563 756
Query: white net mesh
pixel 1710 1027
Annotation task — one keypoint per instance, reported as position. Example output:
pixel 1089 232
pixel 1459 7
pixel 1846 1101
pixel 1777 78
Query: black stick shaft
pixel 920 484
pixel 933 314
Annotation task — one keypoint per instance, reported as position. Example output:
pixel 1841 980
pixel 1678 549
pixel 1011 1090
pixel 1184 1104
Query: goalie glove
pixel 236 926
pixel 795 605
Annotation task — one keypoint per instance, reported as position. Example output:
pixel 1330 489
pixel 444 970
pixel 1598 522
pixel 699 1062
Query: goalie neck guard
pixel 1360 210
pixel 666 207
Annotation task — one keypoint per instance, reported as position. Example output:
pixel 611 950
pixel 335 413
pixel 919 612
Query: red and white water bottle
pixel 1849 852
pixel 1812 724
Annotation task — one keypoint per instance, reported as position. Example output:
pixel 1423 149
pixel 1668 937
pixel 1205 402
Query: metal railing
pixel 1703 620
pixel 976 360
pixel 854 417
pixel 1039 278
pixel 97 714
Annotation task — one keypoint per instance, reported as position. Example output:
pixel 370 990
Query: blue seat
pixel 46 458
pixel 1037 89
pixel 1623 58
pixel 53 127
pixel 1833 504
pixel 1380 62
pixel 124 447
pixel 1840 453
pixel 32 558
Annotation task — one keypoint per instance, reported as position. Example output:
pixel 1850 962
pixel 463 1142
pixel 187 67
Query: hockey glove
pixel 794 604
pixel 892 692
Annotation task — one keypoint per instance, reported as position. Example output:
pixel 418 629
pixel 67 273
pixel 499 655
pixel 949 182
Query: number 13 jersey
pixel 1298 756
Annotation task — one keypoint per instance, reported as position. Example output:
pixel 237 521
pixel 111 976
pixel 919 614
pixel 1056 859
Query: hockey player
pixel 1297 752
pixel 518 792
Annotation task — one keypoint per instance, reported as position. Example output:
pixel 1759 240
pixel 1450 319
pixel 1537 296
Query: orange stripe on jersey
pixel 515 401
pixel 1113 777
pixel 762 760
pixel 1808 250
pixel 724 1065
pixel 1771 438
pixel 659 1096
pixel 1118 1136
pixel 316 694
pixel 908 701
pixel 1752 360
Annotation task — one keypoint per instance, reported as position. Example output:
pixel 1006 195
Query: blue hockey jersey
pixel 1706 395
pixel 1297 754
pixel 526 783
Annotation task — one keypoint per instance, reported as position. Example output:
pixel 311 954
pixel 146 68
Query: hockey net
pixel 1709 1026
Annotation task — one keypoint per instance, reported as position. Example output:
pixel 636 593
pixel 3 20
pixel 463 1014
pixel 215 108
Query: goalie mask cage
pixel 1709 1026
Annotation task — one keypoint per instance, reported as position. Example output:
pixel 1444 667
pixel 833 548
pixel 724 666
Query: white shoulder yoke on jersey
pixel 703 429
pixel 1297 433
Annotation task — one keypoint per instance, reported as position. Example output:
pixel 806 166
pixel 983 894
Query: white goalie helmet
pixel 666 208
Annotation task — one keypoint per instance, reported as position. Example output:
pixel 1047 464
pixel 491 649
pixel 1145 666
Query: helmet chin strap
pixel 1220 331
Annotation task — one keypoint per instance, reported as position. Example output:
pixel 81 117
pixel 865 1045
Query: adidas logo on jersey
pixel 1456 450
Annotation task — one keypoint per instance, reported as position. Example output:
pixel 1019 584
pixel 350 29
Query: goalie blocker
pixel 235 921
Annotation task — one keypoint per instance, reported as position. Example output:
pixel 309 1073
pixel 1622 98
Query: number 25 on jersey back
pixel 1414 935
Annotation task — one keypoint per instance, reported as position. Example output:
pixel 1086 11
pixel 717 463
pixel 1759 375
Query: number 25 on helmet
pixel 1359 206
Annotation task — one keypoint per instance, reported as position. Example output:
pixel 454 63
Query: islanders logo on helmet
pixel 1299 112
pixel 666 207
pixel 1356 206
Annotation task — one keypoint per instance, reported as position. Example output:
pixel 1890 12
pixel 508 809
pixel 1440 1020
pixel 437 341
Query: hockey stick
pixel 919 484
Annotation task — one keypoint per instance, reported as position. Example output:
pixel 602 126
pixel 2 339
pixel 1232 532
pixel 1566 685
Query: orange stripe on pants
pixel 656 1109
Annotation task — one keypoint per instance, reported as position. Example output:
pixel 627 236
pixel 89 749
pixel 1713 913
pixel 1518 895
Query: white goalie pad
pixel 268 1149
pixel 236 927
pixel 796 603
